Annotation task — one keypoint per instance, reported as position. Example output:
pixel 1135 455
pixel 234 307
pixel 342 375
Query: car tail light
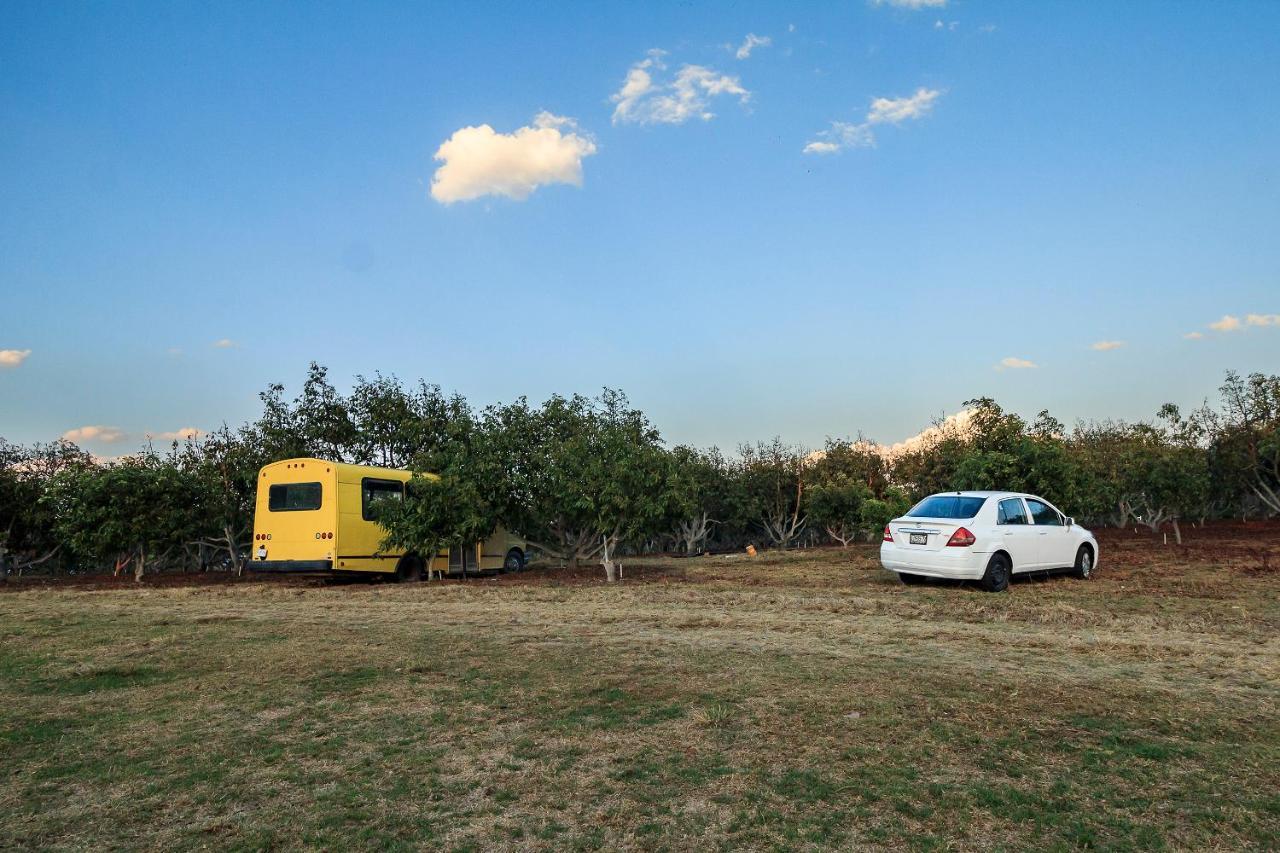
pixel 888 537
pixel 962 538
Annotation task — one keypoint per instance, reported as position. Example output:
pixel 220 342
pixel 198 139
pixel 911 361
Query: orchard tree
pixel 585 474
pixel 1245 435
pixel 225 464
pixel 838 487
pixel 138 508
pixel 27 535
pixel 773 478
pixel 703 491
pixel 460 491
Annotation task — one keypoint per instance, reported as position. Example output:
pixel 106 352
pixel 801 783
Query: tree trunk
pixel 610 571
pixel 841 535
pixel 1177 531
pixel 233 549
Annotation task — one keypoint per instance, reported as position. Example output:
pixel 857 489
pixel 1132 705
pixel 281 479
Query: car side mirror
pixel 1070 521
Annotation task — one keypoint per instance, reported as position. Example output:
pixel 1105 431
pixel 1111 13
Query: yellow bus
pixel 315 517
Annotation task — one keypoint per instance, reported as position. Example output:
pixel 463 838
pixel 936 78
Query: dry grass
pixel 796 700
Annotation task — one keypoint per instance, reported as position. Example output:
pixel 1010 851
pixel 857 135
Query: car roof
pixel 978 494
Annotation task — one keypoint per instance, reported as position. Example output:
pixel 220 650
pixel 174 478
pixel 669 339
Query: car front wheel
pixel 996 577
pixel 1084 562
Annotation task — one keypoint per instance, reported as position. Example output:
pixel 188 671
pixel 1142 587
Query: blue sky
pixel 1036 179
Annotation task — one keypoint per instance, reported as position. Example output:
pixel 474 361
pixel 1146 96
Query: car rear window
pixel 292 497
pixel 947 506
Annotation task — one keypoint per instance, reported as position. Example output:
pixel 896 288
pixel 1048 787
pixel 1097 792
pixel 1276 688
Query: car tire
pixel 996 577
pixel 909 579
pixel 409 570
pixel 514 561
pixel 1084 563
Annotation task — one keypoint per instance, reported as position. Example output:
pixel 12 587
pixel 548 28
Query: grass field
pixel 790 701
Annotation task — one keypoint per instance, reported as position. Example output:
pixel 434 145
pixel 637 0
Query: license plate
pixel 262 552
pixel 919 538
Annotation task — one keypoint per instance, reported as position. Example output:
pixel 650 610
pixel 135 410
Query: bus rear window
pixel 947 506
pixel 293 497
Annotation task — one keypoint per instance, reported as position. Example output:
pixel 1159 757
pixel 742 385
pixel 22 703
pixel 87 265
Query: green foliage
pixel 773 482
pixel 27 535
pixel 875 513
pixel 575 472
pixel 460 491
pixel 581 471
pixel 704 490
pixel 839 483
pixel 141 505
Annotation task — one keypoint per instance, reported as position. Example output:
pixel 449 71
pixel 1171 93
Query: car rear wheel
pixel 996 577
pixel 909 579
pixel 514 561
pixel 1084 562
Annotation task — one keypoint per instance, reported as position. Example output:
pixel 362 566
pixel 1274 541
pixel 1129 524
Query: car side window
pixel 1044 514
pixel 1010 511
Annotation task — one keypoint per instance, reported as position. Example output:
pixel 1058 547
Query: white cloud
pixel 107 434
pixel 642 100
pixel 1228 323
pixel 1262 320
pixel 1104 346
pixel 841 135
pixel 225 343
pixel 479 161
pixel 1012 363
pixel 959 426
pixel 750 43
pixel 1194 336
pixel 911 4
pixel 183 434
pixel 893 111
pixel 821 148
pixel 898 110
pixel 13 357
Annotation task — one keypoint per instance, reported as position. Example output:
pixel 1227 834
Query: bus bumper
pixel 294 567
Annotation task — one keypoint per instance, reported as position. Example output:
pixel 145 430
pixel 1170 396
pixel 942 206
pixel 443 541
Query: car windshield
pixel 947 506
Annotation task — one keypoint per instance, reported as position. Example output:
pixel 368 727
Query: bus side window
pixel 374 492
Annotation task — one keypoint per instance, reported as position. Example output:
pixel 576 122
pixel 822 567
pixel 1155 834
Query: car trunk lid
pixel 923 534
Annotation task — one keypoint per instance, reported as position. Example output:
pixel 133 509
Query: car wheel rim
pixel 1086 564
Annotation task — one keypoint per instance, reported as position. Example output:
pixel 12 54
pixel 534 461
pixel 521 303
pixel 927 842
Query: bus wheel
pixel 514 561
pixel 409 569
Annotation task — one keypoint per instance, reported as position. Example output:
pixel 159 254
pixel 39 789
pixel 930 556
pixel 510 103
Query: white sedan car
pixel 987 537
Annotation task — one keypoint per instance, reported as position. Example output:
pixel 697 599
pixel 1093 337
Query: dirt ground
pixel 1251 547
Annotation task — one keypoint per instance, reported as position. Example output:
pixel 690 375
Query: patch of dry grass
pixel 794 700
